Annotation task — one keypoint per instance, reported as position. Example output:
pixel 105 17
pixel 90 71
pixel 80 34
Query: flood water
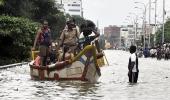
pixel 153 83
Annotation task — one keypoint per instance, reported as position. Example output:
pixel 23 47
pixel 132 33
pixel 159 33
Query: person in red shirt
pixel 43 39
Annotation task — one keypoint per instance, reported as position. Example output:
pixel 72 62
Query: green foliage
pixel 17 33
pixel 36 10
pixel 158 36
pixel 1 2
pixel 152 40
pixel 57 24
pixel 17 8
pixel 79 20
pixel 47 9
pixel 43 9
pixel 166 33
pixel 16 37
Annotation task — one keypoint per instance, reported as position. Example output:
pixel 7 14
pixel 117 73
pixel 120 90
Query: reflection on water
pixel 154 80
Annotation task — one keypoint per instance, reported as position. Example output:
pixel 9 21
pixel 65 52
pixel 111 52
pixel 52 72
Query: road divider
pixel 13 65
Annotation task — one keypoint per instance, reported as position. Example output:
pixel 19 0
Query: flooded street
pixel 153 83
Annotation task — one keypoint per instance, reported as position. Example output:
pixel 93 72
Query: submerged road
pixel 153 83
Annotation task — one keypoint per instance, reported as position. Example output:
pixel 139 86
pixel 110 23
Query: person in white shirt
pixel 133 66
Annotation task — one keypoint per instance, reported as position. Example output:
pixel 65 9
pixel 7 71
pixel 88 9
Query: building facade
pixel 72 7
pixel 112 36
pixel 131 35
pixel 124 36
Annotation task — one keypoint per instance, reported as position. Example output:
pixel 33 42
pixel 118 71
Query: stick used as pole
pixel 105 58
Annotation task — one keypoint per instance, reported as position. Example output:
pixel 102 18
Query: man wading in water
pixel 133 66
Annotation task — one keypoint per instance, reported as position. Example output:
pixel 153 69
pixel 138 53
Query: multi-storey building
pixel 72 7
pixel 112 35
pixel 131 35
pixel 124 36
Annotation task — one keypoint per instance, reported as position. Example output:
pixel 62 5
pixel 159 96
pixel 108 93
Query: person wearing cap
pixel 69 38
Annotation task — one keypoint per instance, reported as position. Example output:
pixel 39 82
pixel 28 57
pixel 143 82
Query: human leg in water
pixel 43 61
pixel 65 49
pixel 130 76
pixel 133 77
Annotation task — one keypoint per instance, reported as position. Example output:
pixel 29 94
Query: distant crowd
pixel 159 52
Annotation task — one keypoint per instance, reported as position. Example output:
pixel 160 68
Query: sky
pixel 114 12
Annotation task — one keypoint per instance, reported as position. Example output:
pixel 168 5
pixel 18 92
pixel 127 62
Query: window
pixel 77 5
pixel 74 10
pixel 124 29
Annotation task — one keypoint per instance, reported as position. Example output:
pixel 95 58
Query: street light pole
pixel 163 27
pixel 144 28
pixel 155 21
pixel 81 1
pixel 135 27
pixel 144 23
pixel 149 22
pixel 136 31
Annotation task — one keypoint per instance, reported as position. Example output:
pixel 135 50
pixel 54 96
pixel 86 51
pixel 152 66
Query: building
pixel 124 32
pixel 72 7
pixel 127 36
pixel 60 6
pixel 131 35
pixel 112 36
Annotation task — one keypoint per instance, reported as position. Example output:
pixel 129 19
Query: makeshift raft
pixel 83 67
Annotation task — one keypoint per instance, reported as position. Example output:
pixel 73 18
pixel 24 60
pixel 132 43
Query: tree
pixel 17 27
pixel 43 9
pixel 36 10
pixel 57 23
pixel 1 2
pixel 16 38
pixel 19 8
pixel 166 33
pixel 79 20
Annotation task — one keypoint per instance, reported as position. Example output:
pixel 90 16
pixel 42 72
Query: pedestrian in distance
pixel 133 65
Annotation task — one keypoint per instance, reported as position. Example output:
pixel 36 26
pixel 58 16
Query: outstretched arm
pixel 62 38
pixel 36 39
pixel 50 37
pixel 96 33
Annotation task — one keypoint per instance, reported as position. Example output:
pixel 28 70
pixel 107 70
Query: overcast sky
pixel 114 12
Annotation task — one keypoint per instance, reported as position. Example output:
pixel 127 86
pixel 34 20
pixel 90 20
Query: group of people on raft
pixel 71 42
